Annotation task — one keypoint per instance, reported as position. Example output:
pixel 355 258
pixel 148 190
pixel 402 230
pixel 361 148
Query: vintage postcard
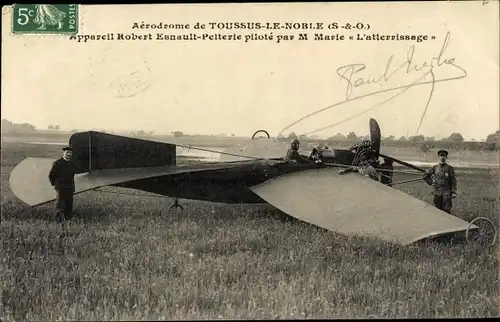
pixel 250 161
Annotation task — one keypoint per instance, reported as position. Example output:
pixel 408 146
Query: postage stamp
pixel 45 19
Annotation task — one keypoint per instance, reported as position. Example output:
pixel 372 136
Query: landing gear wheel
pixel 485 234
pixel 263 131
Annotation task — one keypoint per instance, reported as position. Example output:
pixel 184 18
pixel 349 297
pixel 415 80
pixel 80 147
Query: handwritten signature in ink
pixel 348 72
pixel 351 74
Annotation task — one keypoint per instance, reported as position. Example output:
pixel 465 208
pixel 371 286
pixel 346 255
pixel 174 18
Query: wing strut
pixel 406 164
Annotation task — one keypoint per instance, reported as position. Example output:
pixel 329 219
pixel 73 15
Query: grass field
pixel 128 257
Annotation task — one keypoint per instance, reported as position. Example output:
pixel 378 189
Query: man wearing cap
pixel 443 181
pixel 61 177
pixel 293 154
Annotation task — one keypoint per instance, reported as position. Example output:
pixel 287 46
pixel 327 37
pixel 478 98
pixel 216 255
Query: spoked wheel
pixel 263 131
pixel 485 234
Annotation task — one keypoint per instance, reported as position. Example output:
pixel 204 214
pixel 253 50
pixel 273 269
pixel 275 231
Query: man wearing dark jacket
pixel 386 172
pixel 293 154
pixel 61 177
pixel 443 180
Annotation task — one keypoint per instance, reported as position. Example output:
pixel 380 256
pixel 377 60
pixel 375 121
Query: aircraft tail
pixel 101 151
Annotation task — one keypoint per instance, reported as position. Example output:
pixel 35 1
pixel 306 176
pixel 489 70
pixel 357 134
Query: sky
pixel 212 87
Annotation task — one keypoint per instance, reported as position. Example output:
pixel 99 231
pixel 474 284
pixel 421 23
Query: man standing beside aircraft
pixel 386 173
pixel 61 177
pixel 443 180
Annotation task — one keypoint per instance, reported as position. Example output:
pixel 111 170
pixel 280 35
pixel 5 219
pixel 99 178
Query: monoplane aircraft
pixel 251 172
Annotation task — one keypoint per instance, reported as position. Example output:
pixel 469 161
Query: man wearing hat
pixel 61 177
pixel 293 154
pixel 443 181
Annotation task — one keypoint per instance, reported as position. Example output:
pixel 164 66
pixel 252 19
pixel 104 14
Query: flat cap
pixel 67 148
pixel 440 152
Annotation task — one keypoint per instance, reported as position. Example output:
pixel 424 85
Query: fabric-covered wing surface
pixel 257 148
pixel 356 205
pixel 29 179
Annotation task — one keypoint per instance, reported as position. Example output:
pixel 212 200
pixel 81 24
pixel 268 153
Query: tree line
pixel 423 143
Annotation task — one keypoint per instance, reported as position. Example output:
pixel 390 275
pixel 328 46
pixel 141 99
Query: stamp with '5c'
pixel 45 19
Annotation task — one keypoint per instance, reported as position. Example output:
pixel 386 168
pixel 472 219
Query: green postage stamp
pixel 45 19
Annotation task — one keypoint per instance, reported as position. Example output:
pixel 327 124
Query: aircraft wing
pixel 355 205
pixel 30 183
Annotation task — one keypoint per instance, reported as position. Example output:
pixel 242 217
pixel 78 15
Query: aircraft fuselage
pixel 229 185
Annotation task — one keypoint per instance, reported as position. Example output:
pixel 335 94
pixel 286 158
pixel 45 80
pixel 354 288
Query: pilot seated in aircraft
pixel 293 154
